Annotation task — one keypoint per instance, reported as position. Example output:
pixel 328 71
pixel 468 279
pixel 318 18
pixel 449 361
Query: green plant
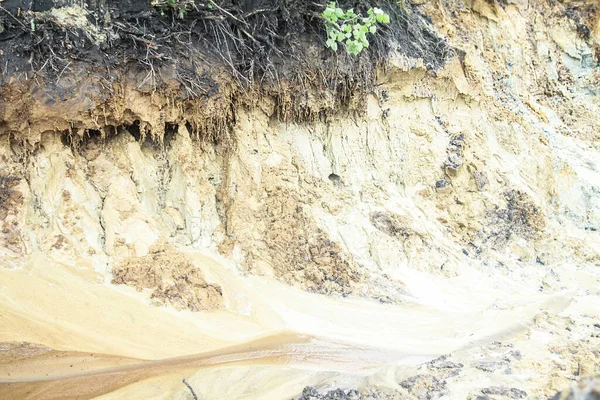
pixel 351 29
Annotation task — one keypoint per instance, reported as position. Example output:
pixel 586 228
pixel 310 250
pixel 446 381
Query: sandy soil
pixel 285 327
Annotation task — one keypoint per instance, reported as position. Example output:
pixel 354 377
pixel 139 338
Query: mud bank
pixel 432 234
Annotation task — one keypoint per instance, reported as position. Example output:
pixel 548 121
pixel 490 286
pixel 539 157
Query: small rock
pixel 337 394
pixel 481 180
pixel 310 391
pixel 452 164
pixel 458 141
pixel 504 391
pixel 539 261
pixel 490 366
pixel 443 363
pixel 425 387
pixel 443 186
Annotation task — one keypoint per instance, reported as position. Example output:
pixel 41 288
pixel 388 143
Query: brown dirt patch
pixel 11 201
pixel 303 254
pixel 172 278
pixel 520 217
pixel 392 225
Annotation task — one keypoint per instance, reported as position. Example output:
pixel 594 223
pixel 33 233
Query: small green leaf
pixel 351 46
pixel 339 12
pixel 386 19
pixel 373 29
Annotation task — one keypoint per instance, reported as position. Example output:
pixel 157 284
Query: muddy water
pixel 92 338
pixel 73 374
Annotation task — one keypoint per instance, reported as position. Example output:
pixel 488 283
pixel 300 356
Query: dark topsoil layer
pixel 219 53
pixel 254 37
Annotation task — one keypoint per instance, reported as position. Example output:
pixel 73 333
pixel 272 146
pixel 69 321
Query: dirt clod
pixel 11 201
pixel 302 254
pixel 390 225
pixel 310 393
pixel 425 387
pixel 172 278
pixel 506 392
pixel 520 217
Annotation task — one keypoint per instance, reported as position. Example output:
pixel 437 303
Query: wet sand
pixel 92 338
pixel 58 374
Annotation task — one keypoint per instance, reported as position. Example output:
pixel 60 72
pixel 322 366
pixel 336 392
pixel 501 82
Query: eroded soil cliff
pixel 420 222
